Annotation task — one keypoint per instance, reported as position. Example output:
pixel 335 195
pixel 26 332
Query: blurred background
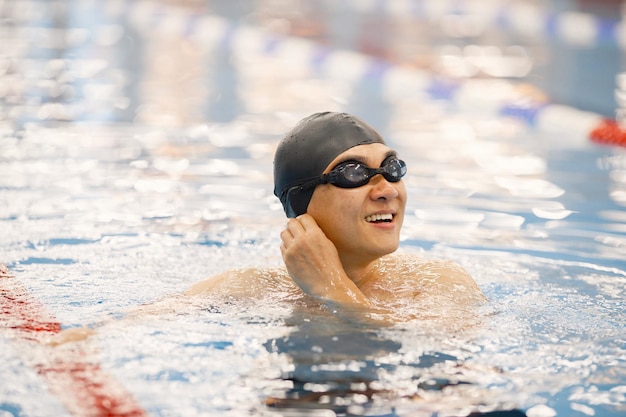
pixel 177 63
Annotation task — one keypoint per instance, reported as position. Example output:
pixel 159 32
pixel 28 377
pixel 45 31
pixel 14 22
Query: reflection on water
pixel 334 366
pixel 339 368
pixel 136 140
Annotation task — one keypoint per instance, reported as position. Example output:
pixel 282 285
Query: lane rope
pixel 531 21
pixel 609 132
pixel 579 127
pixel 71 371
pixel 397 80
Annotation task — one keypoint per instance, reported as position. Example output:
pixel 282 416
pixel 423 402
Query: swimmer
pixel 342 190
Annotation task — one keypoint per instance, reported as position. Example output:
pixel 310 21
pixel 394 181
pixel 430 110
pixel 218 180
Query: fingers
pixel 307 222
pixel 288 234
pixel 287 238
pixel 296 229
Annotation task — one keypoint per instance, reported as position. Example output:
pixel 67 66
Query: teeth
pixel 379 218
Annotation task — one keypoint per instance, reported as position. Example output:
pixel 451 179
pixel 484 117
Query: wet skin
pixel 333 248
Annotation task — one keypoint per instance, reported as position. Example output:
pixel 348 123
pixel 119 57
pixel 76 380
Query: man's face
pixel 364 223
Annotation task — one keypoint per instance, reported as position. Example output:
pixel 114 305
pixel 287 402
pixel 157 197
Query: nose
pixel 382 189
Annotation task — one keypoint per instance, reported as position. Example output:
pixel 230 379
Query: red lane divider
pixel 609 132
pixel 72 372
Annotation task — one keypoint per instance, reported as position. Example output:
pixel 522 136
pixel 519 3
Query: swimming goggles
pixel 348 174
pixel 353 174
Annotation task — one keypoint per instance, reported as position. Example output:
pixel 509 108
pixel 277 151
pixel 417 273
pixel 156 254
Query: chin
pixel 387 249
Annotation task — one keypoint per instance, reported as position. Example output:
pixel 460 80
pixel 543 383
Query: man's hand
pixel 313 263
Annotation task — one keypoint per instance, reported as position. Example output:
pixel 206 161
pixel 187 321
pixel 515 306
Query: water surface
pixel 136 160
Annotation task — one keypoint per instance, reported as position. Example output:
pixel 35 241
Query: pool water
pixel 136 143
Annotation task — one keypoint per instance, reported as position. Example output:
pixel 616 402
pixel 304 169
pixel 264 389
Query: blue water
pixel 136 142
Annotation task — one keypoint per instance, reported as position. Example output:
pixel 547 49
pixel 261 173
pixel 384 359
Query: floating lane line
pixel 577 126
pixel 532 21
pixel 70 371
pixel 505 100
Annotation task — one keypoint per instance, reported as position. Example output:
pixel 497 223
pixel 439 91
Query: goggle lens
pixel 352 174
pixel 348 174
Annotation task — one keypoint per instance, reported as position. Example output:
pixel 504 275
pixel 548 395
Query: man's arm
pixel 313 263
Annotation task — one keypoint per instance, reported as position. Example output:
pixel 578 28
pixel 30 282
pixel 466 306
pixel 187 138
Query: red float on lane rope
pixel 609 132
pixel 71 371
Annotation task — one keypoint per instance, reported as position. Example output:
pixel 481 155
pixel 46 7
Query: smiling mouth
pixel 379 218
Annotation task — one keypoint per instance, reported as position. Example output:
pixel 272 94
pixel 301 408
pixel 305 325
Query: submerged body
pixel 399 286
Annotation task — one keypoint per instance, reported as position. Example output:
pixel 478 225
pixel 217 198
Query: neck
pixel 360 272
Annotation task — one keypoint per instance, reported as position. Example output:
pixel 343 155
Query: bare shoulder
pixel 247 283
pixel 409 275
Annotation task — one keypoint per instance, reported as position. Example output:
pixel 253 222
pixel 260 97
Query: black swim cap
pixel 308 148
